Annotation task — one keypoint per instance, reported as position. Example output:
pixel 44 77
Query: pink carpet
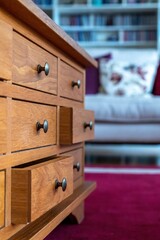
pixel 123 207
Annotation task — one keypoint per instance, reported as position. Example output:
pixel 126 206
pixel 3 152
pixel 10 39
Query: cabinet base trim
pixel 41 227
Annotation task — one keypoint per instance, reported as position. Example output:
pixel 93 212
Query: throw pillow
pixel 120 78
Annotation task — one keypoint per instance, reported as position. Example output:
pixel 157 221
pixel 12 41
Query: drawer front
pixel 3 125
pixel 26 57
pixel 25 119
pixel 78 163
pixel 68 80
pixel 34 188
pixel 2 198
pixel 76 125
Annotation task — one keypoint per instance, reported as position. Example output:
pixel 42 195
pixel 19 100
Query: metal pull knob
pixel 90 125
pixel 62 184
pixel 76 83
pixel 77 166
pixel 45 68
pixel 44 126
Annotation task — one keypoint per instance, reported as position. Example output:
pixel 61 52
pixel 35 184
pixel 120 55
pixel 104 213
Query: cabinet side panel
pixel 20 192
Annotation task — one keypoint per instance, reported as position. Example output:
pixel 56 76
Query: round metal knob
pixel 76 83
pixel 62 184
pixel 77 166
pixel 45 68
pixel 90 125
pixel 44 126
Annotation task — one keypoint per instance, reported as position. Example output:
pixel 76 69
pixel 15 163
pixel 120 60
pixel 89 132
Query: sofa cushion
pixel 124 109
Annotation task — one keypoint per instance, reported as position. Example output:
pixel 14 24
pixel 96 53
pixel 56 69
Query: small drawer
pixel 2 198
pixel 3 125
pixel 38 187
pixel 33 125
pixel 71 82
pixel 76 125
pixel 78 163
pixel 26 58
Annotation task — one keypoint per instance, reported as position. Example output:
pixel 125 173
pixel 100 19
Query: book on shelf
pixel 74 20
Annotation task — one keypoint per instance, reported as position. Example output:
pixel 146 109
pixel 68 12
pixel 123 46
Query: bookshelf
pixel 107 23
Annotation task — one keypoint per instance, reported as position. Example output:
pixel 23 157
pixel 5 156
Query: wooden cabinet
pixel 42 73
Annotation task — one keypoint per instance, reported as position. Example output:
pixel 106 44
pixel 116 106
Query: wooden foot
pixel 77 216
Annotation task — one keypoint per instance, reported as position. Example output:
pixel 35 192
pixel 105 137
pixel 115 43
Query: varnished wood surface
pixel 81 134
pixel 30 155
pixel 77 214
pixel 35 194
pixel 25 116
pixel 72 125
pixel 28 36
pixel 65 126
pixel 41 227
pixel 20 191
pixel 78 158
pixel 22 93
pixel 26 57
pixel 6 51
pixel 2 198
pixel 69 74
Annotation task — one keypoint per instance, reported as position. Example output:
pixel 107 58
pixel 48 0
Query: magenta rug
pixel 123 207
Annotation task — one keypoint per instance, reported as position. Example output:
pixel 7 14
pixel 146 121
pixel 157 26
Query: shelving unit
pixel 107 23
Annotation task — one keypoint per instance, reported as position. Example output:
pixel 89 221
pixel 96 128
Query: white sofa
pixel 125 125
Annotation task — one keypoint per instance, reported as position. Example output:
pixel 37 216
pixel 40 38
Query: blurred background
pixel 124 37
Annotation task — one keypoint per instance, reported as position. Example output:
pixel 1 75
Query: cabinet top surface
pixel 29 13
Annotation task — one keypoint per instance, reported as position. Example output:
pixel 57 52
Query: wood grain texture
pixel 41 227
pixel 21 93
pixel 67 75
pixel 77 214
pixel 30 38
pixel 72 125
pixel 65 125
pixel 25 115
pixel 3 125
pixel 2 198
pixel 20 192
pixel 37 194
pixel 6 51
pixel 26 57
pixel 78 158
pixel 30 155
pixel 79 118
pixel 7 197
